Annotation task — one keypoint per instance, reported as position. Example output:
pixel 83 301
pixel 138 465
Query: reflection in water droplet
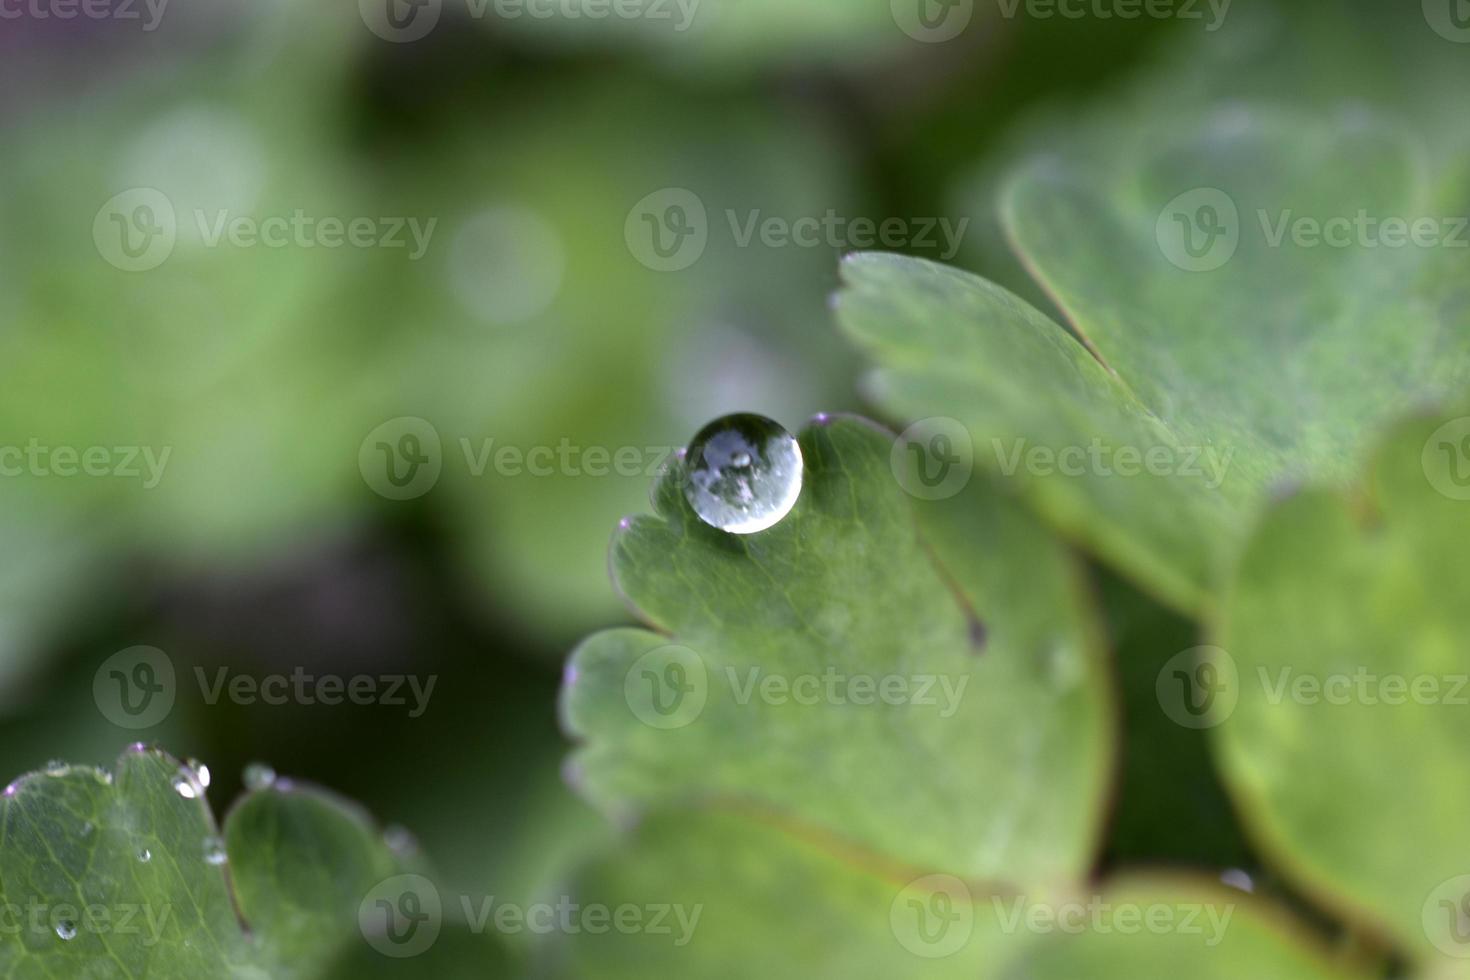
pixel 66 929
pixel 214 851
pixel 744 473
pixel 185 786
pixel 259 776
pixel 201 772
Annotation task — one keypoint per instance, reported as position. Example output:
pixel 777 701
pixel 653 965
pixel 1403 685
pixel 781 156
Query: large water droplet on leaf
pixel 744 473
pixel 66 929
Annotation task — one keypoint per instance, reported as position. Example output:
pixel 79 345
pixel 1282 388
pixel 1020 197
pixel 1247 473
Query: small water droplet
pixel 145 855
pixel 201 772
pixel 66 929
pixel 186 787
pixel 259 776
pixel 1239 879
pixel 400 840
pixel 57 768
pixel 104 777
pixel 744 473
pixel 88 828
pixel 214 851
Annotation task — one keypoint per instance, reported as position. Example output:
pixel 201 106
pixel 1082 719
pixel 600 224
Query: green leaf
pixel 1188 386
pixel 987 758
pixel 1149 926
pixel 117 874
pixel 744 898
pixel 739 897
pixel 1344 660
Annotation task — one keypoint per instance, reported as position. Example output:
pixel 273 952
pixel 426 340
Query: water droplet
pixel 259 776
pixel 201 772
pixel 88 828
pixel 104 777
pixel 1239 879
pixel 57 768
pixel 744 473
pixel 186 787
pixel 400 840
pixel 66 929
pixel 214 851
pixel 145 855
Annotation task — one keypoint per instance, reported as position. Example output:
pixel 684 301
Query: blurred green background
pixel 528 150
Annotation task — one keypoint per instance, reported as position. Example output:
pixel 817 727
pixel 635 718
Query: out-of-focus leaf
pixel 1341 695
